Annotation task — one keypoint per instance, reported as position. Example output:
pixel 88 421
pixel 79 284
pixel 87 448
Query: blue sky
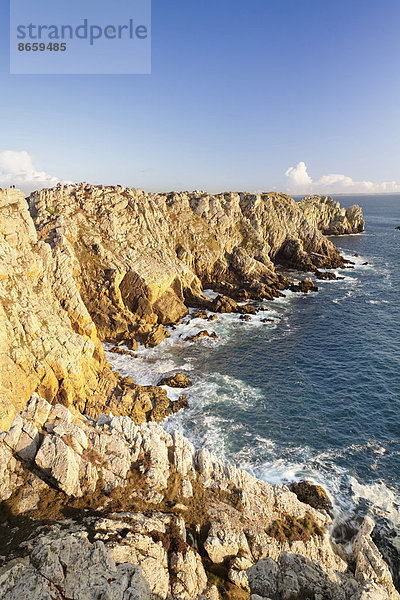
pixel 240 94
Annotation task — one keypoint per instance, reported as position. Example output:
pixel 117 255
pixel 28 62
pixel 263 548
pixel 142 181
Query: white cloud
pixel 298 175
pixel 302 183
pixel 16 168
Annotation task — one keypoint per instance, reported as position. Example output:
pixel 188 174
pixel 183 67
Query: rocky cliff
pixel 118 264
pixel 111 505
pixel 48 341
pixel 140 259
pixel 327 215
pixel 108 509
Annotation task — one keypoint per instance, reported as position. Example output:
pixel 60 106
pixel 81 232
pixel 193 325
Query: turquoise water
pixel 314 393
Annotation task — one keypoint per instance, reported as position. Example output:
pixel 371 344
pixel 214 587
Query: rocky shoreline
pixel 86 264
pixel 151 517
pixel 88 475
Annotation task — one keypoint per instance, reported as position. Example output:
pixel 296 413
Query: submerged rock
pixel 202 334
pixel 326 275
pixel 123 351
pixel 245 317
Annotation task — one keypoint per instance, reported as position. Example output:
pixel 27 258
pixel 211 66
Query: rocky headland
pixel 84 264
pixel 98 500
pixel 327 215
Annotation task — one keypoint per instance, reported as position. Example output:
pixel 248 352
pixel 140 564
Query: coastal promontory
pixel 98 500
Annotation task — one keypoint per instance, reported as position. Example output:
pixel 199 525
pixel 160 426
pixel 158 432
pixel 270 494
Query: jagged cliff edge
pixel 83 264
pixel 118 264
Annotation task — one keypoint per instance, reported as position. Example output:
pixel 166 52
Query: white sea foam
pixel 360 262
pixel 383 501
pixel 345 491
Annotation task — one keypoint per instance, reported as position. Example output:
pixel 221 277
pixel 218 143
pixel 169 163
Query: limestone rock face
pixel 295 577
pixel 64 565
pixel 151 513
pixel 120 264
pixel 189 575
pixel 48 341
pixel 139 259
pixel 327 215
pixel 369 564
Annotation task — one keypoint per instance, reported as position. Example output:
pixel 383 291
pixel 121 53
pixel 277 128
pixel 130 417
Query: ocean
pixel 314 393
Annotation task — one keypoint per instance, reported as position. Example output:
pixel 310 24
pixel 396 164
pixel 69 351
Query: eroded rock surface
pixel 312 494
pixel 48 341
pixel 140 259
pixel 151 517
pixel 327 215
pixel 180 380
pixel 118 264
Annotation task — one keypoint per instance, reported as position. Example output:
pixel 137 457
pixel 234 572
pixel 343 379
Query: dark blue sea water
pixel 316 392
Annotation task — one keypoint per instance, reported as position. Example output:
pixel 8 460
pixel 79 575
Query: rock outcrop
pixel 48 341
pixel 180 380
pixel 140 259
pixel 327 215
pixel 117 264
pixel 312 494
pixel 149 517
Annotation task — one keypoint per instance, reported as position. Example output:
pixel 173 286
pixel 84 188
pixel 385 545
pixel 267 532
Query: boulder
pixel 179 404
pixel 61 463
pixel 123 351
pixel 326 275
pixel 224 304
pixel 248 309
pixel 263 578
pixel 312 494
pixel 202 334
pixel 189 577
pixel 305 285
pixel 180 380
pixel 225 542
